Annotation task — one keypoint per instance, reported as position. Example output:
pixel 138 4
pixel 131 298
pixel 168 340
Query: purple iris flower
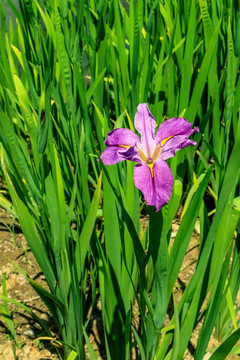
pixel 152 175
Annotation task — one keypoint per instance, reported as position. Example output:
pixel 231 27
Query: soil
pixel 14 249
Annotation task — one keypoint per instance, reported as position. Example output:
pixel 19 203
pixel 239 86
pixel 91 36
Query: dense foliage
pixel 70 72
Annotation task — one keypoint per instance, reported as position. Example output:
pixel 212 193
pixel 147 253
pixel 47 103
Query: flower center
pixel 154 156
pixel 150 160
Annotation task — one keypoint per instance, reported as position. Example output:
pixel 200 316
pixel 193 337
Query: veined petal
pixel 174 127
pixel 157 189
pixel 124 137
pixel 114 154
pixel 174 144
pixel 145 124
pixel 143 181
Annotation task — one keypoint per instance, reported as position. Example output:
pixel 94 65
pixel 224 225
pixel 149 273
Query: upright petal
pixel 145 124
pixel 174 127
pixel 157 189
pixel 124 137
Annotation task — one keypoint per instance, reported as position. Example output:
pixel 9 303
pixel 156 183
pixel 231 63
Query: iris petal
pixel 143 181
pixel 124 137
pixel 174 144
pixel 174 127
pixel 110 155
pixel 145 124
pixel 157 189
pixel 114 154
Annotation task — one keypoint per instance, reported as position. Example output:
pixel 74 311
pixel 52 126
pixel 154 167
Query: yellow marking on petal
pixel 125 146
pixel 165 140
pixel 150 165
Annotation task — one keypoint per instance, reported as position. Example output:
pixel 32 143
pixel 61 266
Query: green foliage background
pixel 72 71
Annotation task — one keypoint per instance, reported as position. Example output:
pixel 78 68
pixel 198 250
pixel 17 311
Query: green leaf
pixel 5 313
pixel 185 231
pixel 28 310
pixel 30 231
pixel 138 339
pixel 176 341
pixel 89 346
pixel 225 348
pixel 48 298
pixel 237 39
pixel 86 233
pixel 202 75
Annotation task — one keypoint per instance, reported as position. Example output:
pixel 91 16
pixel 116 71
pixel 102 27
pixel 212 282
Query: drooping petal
pixel 143 181
pixel 124 137
pixel 163 183
pixel 145 124
pixel 157 189
pixel 174 144
pixel 174 127
pixel 130 153
pixel 110 155
pixel 114 154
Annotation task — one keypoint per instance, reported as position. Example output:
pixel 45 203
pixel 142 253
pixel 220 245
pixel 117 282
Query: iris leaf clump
pixel 75 78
